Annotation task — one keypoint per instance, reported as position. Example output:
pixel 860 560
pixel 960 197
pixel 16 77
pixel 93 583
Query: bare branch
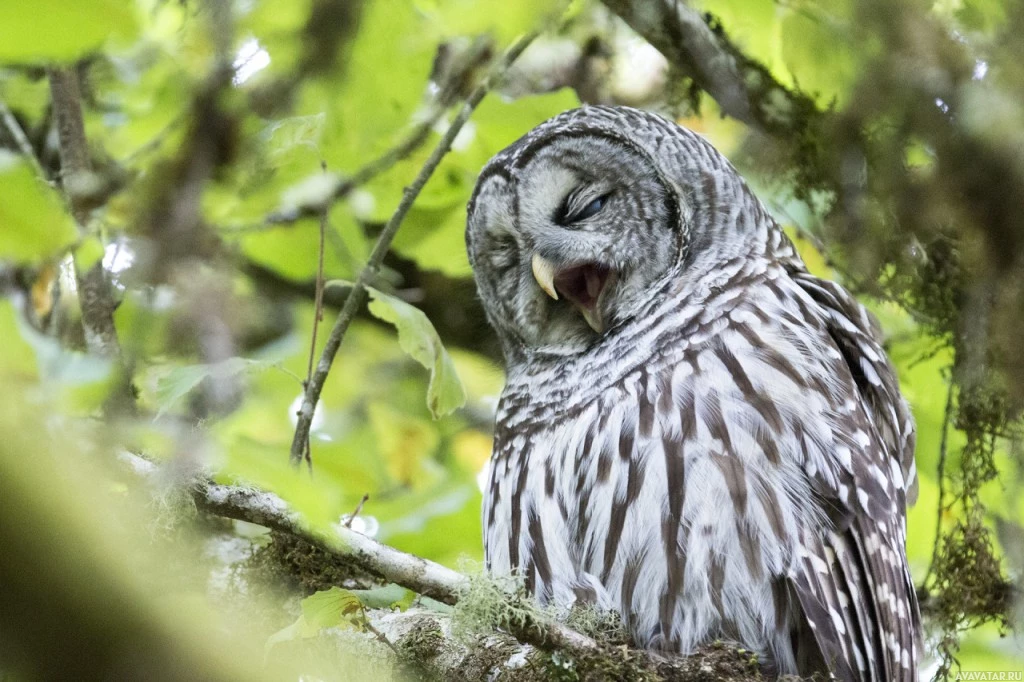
pixel 21 140
pixel 78 182
pixel 357 296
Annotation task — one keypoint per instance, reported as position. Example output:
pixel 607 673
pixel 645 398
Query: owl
pixel 695 432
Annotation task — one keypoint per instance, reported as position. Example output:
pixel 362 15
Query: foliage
pixel 222 136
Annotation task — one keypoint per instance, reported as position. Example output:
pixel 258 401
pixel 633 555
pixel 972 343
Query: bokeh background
pixel 888 139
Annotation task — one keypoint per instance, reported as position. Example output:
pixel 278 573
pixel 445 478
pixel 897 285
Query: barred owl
pixel 695 432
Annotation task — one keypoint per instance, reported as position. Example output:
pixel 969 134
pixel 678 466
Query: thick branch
pixel 78 182
pixel 744 89
pixel 269 510
pixel 357 296
pixel 445 585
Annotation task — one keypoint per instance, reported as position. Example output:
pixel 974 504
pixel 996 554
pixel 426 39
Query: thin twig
pixel 359 508
pixel 318 315
pixel 380 636
pixel 413 140
pixel 357 296
pixel 20 139
pixel 947 418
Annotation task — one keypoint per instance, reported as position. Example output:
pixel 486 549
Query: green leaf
pixel 58 30
pixel 505 19
pixel 387 597
pixel 324 609
pixel 88 253
pixel 419 339
pixel 34 222
pixel 180 381
pixel 328 608
pixel 818 52
pixel 296 131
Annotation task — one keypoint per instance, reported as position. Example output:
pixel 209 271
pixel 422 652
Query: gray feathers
pixel 696 432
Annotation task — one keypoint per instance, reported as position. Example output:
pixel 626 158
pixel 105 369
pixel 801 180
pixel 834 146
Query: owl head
pixel 575 227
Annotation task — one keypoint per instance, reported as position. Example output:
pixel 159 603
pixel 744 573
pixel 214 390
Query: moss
pixel 307 566
pixel 419 647
pixel 490 603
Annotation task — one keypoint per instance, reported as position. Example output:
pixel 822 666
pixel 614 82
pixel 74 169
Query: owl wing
pixel 853 584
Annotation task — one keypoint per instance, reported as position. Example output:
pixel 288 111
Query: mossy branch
pixel 743 88
pixel 532 637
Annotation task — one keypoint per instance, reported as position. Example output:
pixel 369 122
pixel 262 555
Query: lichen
pixel 309 567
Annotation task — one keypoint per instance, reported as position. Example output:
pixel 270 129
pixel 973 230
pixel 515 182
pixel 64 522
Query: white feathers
pixel 724 461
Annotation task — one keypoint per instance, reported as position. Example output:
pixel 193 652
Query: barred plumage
pixel 697 433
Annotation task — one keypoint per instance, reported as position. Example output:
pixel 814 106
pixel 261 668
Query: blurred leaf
pixel 34 221
pixel 88 253
pixel 330 607
pixel 817 50
pixel 29 96
pixel 324 609
pixel 178 382
pixel 285 134
pixel 17 364
pixel 753 25
pixel 58 30
pixel 505 19
pixel 404 443
pixel 981 15
pixel 419 339
pixel 389 596
pixel 61 365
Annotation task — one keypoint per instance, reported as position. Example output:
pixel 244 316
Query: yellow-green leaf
pixel 419 339
pixel 33 222
pixel 88 253
pixel 331 607
pixel 324 609
pixel 59 30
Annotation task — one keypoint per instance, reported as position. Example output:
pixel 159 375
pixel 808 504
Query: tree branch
pixel 413 140
pixel 21 140
pixel 438 582
pixel 78 182
pixel 269 510
pixel 357 296
pixel 743 88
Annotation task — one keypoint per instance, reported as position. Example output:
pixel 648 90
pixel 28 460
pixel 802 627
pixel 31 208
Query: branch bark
pixel 517 652
pixel 77 179
pixel 357 296
pixel 743 88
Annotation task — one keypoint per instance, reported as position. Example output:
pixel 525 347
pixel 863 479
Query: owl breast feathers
pixel 695 432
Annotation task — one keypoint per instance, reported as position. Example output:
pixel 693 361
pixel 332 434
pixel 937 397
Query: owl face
pixel 568 234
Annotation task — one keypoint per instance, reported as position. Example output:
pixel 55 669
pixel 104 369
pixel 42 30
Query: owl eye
pixel 569 214
pixel 590 209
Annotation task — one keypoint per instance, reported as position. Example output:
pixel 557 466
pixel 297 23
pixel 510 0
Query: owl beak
pixel 593 318
pixel 582 285
pixel 544 272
